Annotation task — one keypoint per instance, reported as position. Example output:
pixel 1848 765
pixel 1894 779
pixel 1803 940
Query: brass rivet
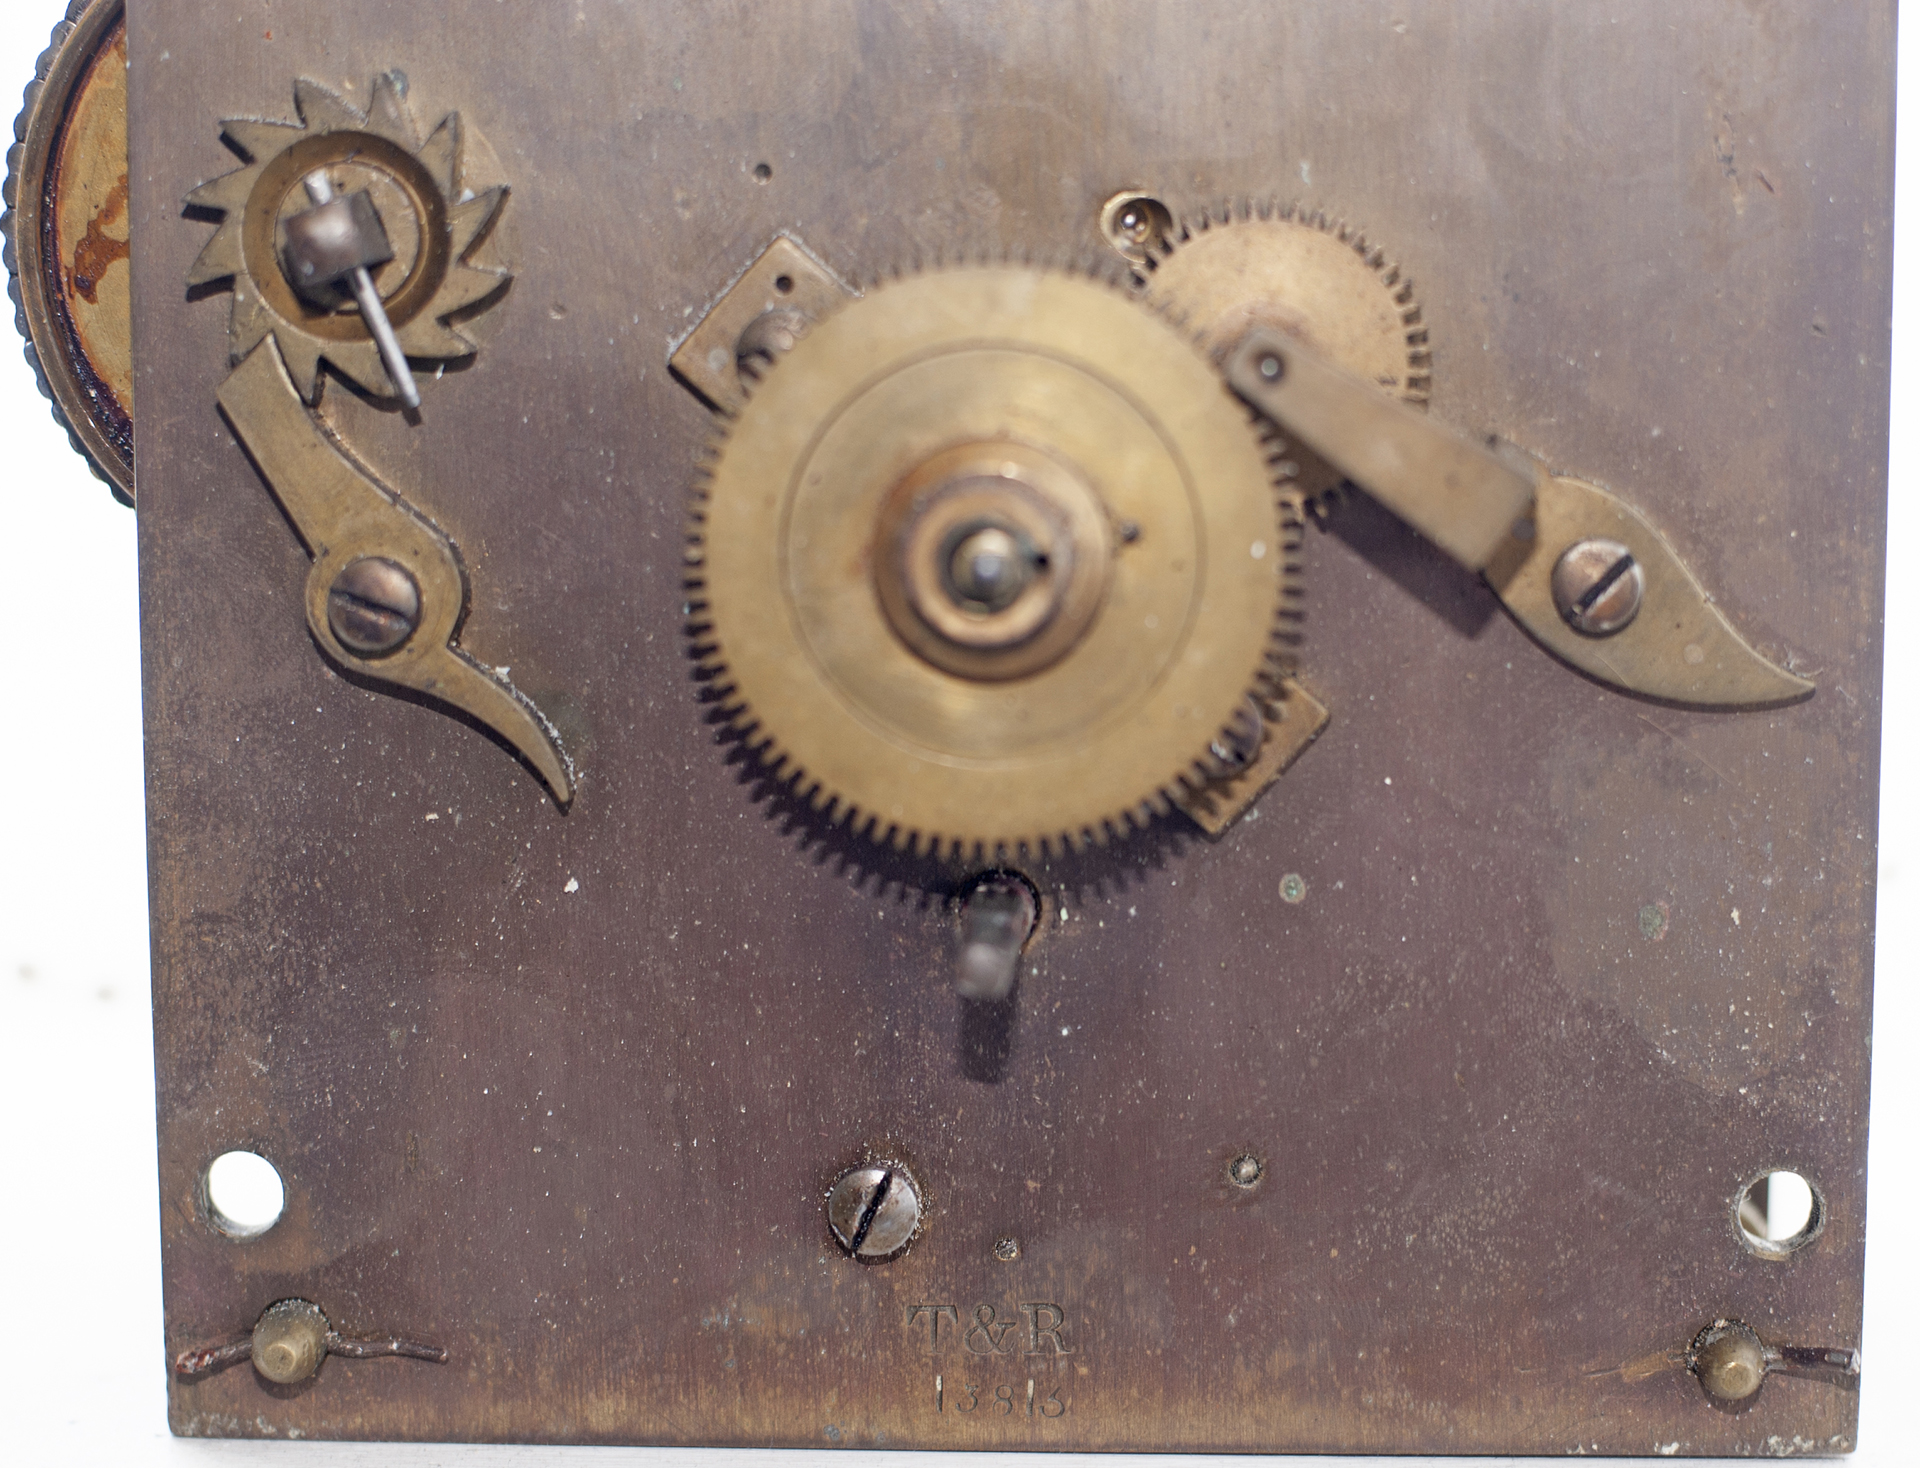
pixel 1729 1361
pixel 288 1341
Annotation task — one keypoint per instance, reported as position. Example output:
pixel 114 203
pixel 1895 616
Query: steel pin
pixel 320 190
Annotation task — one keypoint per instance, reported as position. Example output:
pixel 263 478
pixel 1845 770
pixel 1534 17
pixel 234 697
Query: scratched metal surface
pixel 580 1136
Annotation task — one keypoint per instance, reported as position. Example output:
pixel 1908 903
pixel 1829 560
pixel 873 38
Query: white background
pixel 81 1379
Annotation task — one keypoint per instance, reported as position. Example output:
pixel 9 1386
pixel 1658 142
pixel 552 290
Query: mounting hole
pixel 1136 224
pixel 1778 1212
pixel 762 172
pixel 244 1194
pixel 783 285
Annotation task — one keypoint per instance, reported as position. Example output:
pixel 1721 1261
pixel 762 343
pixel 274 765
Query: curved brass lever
pixel 348 522
pixel 1660 635
pixel 1678 646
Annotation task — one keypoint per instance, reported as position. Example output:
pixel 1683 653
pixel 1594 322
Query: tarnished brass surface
pixel 1167 502
pixel 1679 646
pixel 567 1095
pixel 344 517
pixel 66 233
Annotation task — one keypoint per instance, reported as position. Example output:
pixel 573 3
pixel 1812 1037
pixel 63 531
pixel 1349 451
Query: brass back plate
pixel 565 1092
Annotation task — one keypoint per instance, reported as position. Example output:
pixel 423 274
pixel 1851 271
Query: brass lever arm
pixel 345 518
pixel 1514 526
pixel 1457 494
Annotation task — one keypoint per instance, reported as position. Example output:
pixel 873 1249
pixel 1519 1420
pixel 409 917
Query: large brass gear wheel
pixel 1304 274
pixel 989 561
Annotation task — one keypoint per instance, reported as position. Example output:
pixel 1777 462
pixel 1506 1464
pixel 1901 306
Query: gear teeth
pixel 777 765
pixel 1417 378
pixel 117 478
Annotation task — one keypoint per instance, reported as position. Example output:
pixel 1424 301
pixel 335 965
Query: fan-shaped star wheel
pixel 434 216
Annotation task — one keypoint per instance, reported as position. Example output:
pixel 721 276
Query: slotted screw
pixel 874 1210
pixel 1598 587
pixel 373 606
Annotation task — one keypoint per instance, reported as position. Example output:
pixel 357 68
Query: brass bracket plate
pixel 1291 723
pixel 784 276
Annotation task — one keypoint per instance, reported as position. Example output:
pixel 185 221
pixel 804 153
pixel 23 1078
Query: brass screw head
pixel 1729 1360
pixel 288 1341
pixel 373 606
pixel 874 1211
pixel 1598 587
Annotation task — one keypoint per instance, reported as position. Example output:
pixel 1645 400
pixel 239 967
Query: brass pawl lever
pixel 1585 573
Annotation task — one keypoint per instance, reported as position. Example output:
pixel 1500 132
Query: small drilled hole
pixel 762 172
pixel 244 1194
pixel 1778 1212
pixel 783 285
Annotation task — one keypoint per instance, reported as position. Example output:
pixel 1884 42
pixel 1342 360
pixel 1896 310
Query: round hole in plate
pixel 783 285
pixel 244 1193
pixel 762 172
pixel 1777 1212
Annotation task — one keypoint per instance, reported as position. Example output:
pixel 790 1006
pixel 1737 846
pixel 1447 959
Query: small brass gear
pixel 435 217
pixel 1304 273
pixel 989 561
pixel 65 228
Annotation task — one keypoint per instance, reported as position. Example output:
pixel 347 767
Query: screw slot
pixel 874 1211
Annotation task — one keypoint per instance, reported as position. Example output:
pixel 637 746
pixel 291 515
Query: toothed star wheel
pixel 990 560
pixel 431 213
pixel 1305 275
